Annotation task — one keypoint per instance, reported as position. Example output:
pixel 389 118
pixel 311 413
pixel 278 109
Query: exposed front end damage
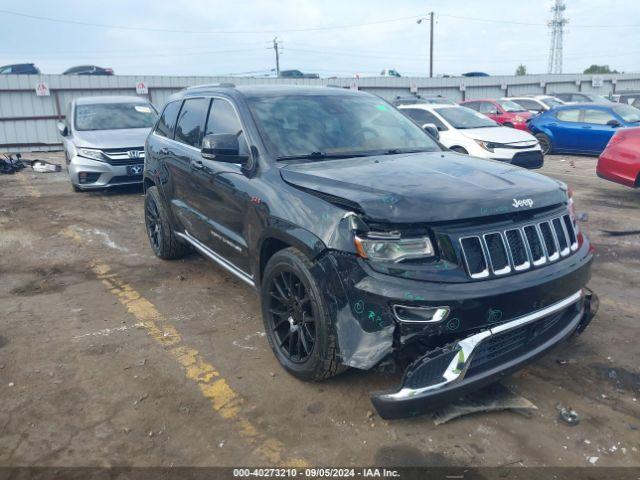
pixel 476 330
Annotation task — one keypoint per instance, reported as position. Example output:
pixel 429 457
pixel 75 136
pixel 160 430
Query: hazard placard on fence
pixel 42 90
pixel 141 88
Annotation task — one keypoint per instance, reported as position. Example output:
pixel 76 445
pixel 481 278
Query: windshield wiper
pixel 396 151
pixel 320 156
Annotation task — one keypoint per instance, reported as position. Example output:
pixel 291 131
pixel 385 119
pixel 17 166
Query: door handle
pixel 196 164
pixel 586 126
pixel 163 151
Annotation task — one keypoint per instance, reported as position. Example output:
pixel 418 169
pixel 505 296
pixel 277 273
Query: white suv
pixel 464 130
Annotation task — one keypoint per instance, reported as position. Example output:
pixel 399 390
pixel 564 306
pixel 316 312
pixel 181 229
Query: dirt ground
pixel 110 356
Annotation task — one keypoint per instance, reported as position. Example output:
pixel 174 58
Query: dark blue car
pixel 581 128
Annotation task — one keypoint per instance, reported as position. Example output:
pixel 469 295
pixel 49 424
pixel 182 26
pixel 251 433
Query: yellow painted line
pixel 224 400
pixel 31 190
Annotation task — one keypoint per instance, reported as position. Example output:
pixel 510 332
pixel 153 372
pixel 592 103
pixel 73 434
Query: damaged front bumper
pixel 447 373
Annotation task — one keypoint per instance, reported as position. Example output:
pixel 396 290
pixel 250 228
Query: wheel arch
pixel 281 235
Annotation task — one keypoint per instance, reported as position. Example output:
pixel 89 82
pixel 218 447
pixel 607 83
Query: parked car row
pixel 31 69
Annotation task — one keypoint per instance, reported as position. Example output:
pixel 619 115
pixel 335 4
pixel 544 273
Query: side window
pixel 223 119
pixel 190 124
pixel 597 117
pixel 168 119
pixel 529 104
pixel 5 70
pixel 571 115
pixel 487 108
pixel 422 116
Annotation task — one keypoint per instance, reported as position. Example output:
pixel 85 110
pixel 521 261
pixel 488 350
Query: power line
pixel 207 32
pixel 531 24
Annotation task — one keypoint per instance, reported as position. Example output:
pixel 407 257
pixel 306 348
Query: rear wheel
pixel 164 242
pixel 545 143
pixel 296 318
pixel 459 150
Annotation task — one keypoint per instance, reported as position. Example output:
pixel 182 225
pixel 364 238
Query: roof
pixel 263 90
pixel 431 106
pixel 110 99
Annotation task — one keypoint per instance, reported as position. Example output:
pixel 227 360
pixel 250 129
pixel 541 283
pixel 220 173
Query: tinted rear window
pixel 114 116
pixel 168 120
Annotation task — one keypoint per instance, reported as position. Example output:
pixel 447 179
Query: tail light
pixel 617 137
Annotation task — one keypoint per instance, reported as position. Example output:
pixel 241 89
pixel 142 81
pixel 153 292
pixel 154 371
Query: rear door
pixel 594 122
pixel 181 157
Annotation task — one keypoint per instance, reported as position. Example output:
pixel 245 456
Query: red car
pixel 620 160
pixel 503 111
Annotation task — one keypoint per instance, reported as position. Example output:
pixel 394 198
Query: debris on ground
pixel 10 165
pixel 493 398
pixel 567 415
pixel 593 460
pixel 42 166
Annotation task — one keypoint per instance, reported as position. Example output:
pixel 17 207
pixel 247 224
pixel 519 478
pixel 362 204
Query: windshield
pixel 464 118
pixel 114 116
pixel 331 125
pixel 551 102
pixel 628 113
pixel 509 106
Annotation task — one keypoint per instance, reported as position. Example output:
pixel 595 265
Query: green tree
pixel 521 70
pixel 600 69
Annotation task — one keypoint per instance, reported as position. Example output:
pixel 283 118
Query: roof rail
pixel 209 85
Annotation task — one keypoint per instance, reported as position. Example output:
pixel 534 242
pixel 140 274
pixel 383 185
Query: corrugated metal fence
pixel 28 121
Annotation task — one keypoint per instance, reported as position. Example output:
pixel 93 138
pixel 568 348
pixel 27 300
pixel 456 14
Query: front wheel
pixel 296 318
pixel 545 143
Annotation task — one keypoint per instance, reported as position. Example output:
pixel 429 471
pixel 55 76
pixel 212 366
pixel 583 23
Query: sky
pixel 329 37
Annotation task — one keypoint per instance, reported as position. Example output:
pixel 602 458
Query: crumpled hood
pixel 121 138
pixel 498 135
pixel 427 187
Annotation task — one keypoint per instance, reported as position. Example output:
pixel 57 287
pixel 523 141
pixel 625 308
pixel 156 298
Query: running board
pixel 206 251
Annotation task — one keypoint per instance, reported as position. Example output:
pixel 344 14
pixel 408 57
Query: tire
pixel 290 298
pixel 459 150
pixel 164 243
pixel 545 143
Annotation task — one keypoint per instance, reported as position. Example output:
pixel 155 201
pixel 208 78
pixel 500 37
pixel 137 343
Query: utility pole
pixel 275 48
pixel 431 46
pixel 430 41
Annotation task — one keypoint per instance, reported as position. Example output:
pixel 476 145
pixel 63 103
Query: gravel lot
pixel 109 356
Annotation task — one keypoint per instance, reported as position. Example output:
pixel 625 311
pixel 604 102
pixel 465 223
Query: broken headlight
pixel 91 153
pixel 381 247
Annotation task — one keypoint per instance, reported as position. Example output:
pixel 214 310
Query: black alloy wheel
pixel 154 225
pixel 291 316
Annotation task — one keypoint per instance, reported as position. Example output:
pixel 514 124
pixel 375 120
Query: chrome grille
pixel 121 156
pixel 519 248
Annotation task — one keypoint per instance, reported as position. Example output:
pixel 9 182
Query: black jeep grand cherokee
pixel 369 243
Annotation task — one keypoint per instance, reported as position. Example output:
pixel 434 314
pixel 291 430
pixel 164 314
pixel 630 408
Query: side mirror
pixel 222 147
pixel 613 123
pixel 432 130
pixel 62 128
